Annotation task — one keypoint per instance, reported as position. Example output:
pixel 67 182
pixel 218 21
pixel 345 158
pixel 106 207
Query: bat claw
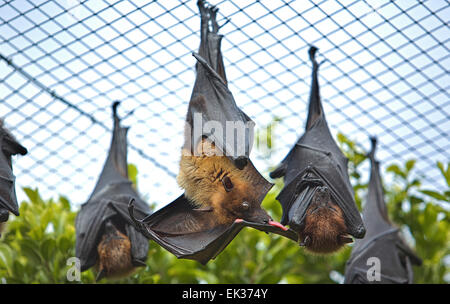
pixel 137 222
pixel 114 107
pixel 306 241
pixel 345 239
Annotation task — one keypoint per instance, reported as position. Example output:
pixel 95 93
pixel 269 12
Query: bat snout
pixel 358 232
pixel 259 216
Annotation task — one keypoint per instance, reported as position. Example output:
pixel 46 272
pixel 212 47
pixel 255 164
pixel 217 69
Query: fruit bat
pixel 105 234
pixel 317 198
pixel 223 190
pixel 8 201
pixel 382 240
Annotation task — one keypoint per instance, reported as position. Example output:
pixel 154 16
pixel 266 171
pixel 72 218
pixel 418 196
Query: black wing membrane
pixel 109 201
pixel 212 108
pixel 383 240
pixel 315 161
pixel 193 234
pixel 8 147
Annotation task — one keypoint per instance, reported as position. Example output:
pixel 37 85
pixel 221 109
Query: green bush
pixel 37 244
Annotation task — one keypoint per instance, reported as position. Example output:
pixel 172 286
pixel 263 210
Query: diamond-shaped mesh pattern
pixel 63 63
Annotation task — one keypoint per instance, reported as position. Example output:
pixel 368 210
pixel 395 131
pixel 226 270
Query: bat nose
pixel 360 231
pixel 240 162
pixel 260 216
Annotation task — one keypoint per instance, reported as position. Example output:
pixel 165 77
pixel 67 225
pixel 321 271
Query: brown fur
pixel 201 178
pixel 324 227
pixel 114 253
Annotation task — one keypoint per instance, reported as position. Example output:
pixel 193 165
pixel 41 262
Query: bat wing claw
pixel 137 222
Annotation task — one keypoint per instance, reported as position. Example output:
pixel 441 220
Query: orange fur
pixel 324 227
pixel 114 253
pixel 201 178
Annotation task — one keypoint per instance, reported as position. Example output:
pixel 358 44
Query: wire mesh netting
pixel 63 63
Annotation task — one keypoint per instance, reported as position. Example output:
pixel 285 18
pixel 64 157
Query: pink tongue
pixel 276 224
pixel 271 223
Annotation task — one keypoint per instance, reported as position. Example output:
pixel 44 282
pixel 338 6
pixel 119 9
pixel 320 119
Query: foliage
pixel 423 217
pixel 37 244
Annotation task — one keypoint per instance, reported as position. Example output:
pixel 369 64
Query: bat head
pixel 237 197
pixel 214 181
pixel 323 229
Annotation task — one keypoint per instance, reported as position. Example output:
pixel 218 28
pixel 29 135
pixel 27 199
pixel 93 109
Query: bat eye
pixel 227 184
pixel 245 205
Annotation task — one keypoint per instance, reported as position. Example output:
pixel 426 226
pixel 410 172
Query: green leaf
pixel 435 195
pixel 409 165
pixel 33 195
pixel 132 174
pixel 396 170
pixel 48 248
pixel 444 172
pixel 6 256
pixel 64 203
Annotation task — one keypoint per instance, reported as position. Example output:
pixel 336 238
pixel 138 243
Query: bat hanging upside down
pixel 317 197
pixel 223 190
pixel 105 236
pixel 8 200
pixel 383 240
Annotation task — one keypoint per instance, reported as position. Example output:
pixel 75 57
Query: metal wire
pixel 63 63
